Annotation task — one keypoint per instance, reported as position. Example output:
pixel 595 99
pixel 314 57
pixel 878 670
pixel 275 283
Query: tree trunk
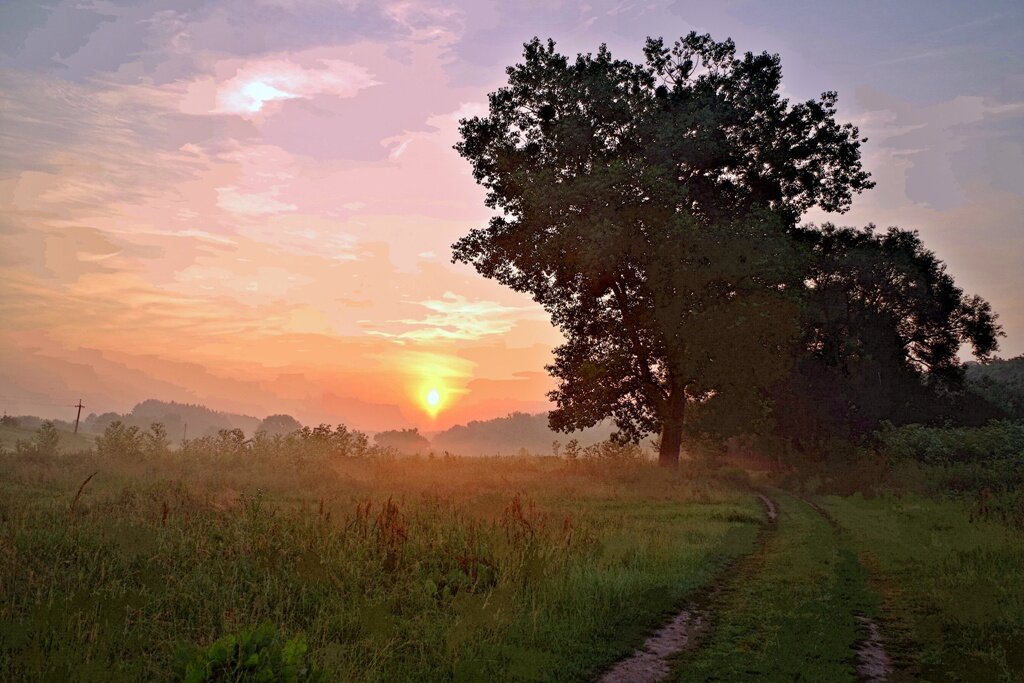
pixel 671 442
pixel 672 428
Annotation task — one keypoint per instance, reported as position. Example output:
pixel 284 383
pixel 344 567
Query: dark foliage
pixel 645 206
pixel 883 323
pixel 279 424
pixel 1000 383
pixel 408 441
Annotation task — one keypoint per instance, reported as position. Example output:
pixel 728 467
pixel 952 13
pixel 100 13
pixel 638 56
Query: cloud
pixel 245 88
pixel 427 21
pixel 230 199
pixel 443 129
pixel 454 317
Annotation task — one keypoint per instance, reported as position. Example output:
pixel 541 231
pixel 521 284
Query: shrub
pixel 309 442
pixel 406 441
pixel 613 451
pixel 121 439
pixel 253 655
pixel 947 445
pixel 45 443
pixel 47 439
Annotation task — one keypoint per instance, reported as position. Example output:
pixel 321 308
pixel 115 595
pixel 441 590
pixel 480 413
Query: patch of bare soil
pixel 873 664
pixel 651 662
pixel 770 508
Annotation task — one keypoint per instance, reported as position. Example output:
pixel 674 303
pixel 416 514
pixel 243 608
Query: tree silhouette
pixel 646 207
pixel 408 441
pixel 279 424
pixel 883 324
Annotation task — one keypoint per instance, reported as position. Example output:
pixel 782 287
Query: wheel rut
pixel 872 661
pixel 656 658
pixel 652 662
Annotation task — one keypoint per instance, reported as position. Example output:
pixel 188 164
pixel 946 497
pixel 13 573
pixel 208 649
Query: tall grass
pixel 392 568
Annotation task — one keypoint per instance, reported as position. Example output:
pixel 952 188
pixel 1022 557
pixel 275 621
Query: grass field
pixel 952 588
pixel 946 590
pixel 485 569
pixel 393 569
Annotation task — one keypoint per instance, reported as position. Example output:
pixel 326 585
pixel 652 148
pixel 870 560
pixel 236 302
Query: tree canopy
pixel 882 323
pixel 646 206
pixel 279 424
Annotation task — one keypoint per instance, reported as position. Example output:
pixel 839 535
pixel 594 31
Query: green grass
pixel 953 588
pixel 426 569
pixel 513 569
pixel 788 612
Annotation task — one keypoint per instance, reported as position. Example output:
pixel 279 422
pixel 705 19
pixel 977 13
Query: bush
pixel 253 655
pixel 47 439
pixel 997 440
pixel 120 439
pixel 613 451
pixel 321 441
pixel 984 466
pixel 405 441
pixel 46 442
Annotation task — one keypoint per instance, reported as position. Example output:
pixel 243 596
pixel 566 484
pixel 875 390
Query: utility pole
pixel 79 416
pixel 184 437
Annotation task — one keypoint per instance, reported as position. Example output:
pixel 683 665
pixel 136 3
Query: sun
pixel 433 398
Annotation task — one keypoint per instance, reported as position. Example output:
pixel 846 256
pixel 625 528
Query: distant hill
pixel 1001 383
pixel 201 421
pixel 508 435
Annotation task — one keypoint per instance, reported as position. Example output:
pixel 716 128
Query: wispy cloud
pixel 245 88
pixel 454 317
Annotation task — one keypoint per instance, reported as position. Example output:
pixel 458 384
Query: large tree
pixel 883 324
pixel 646 206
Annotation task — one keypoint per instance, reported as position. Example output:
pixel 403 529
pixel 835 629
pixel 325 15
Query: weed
pixel 257 655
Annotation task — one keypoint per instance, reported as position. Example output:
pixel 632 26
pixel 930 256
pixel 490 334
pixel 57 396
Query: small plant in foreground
pixel 253 655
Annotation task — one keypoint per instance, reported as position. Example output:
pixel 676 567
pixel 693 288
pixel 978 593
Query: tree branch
pixel 655 391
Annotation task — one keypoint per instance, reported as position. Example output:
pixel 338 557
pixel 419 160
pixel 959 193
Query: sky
pixel 250 203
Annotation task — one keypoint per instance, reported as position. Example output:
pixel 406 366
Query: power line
pixel 16 399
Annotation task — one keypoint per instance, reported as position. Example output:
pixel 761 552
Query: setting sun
pixel 431 398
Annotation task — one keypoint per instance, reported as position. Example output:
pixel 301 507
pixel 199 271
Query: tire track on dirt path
pixel 872 661
pixel 652 662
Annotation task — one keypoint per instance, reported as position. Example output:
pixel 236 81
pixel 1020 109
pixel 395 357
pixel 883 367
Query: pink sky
pixel 250 204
